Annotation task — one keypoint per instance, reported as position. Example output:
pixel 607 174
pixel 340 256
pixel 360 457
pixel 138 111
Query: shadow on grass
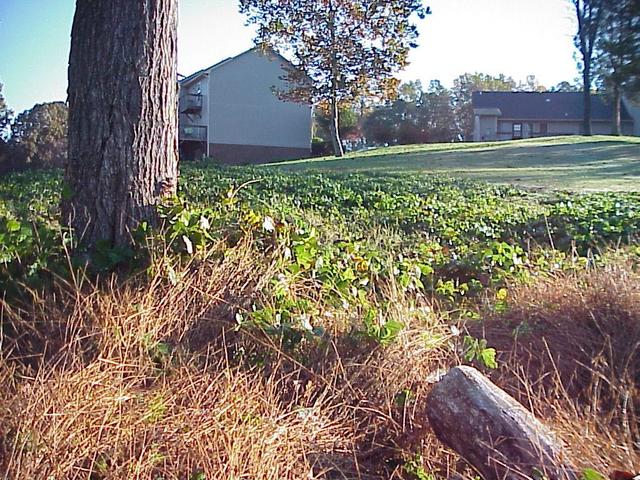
pixel 593 165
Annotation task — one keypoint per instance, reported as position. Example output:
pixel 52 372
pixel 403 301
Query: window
pixel 517 130
pixel 544 129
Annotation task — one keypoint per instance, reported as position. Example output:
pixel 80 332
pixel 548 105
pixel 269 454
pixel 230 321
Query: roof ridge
pixel 195 75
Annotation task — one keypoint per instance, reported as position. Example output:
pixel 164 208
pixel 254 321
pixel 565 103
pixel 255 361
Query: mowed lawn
pixel 557 163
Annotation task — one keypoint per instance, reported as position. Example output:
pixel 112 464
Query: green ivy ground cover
pixel 461 222
pixel 340 236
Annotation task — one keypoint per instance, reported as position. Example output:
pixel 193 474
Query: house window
pixel 517 131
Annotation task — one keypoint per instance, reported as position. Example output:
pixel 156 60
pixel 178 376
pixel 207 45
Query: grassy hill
pixel 567 163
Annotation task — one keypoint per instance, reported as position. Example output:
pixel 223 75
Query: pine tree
pixel 39 136
pixel 5 120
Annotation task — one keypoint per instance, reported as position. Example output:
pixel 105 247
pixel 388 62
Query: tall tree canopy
pixel 617 59
pixel 341 49
pixel 531 84
pixel 123 154
pixel 438 114
pixel 589 14
pixel 39 136
pixel 348 117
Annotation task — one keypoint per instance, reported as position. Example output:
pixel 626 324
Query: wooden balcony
pixel 193 133
pixel 191 103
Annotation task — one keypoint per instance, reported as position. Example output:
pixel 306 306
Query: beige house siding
pixel 563 128
pixel 488 128
pixel 245 109
pixel 504 128
pixel 529 129
pixel 246 121
pixel 606 128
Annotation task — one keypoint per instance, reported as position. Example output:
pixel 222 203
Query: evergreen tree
pixel 5 116
pixel 531 84
pixel 565 86
pixel 437 114
pixel 5 120
pixel 415 117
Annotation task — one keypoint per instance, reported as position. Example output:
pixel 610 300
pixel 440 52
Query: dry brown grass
pixel 571 349
pixel 145 379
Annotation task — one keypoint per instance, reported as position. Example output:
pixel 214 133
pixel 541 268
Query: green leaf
pixel 591 474
pixel 389 331
pixel 13 225
pixel 488 358
pixel 403 397
pixel 163 348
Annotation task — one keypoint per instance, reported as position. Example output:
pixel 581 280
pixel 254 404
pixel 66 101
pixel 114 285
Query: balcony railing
pixel 191 103
pixel 193 133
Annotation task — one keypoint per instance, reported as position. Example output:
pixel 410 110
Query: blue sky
pixel 514 37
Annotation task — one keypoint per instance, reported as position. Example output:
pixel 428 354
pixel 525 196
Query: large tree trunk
pixel 123 151
pixel 589 16
pixel 586 80
pixel 617 101
pixel 492 431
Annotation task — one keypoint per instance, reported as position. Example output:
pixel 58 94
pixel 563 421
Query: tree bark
pixel 586 77
pixel 123 150
pixel 492 431
pixel 589 16
pixel 617 100
pixel 335 129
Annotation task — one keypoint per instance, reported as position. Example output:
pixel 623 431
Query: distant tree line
pixel 36 138
pixel 417 115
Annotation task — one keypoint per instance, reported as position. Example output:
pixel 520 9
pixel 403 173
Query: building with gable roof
pixel 231 112
pixel 516 115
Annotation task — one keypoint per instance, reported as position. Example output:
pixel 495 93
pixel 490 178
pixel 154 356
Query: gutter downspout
pixel 208 115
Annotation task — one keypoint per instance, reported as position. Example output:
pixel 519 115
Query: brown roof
pixel 546 105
